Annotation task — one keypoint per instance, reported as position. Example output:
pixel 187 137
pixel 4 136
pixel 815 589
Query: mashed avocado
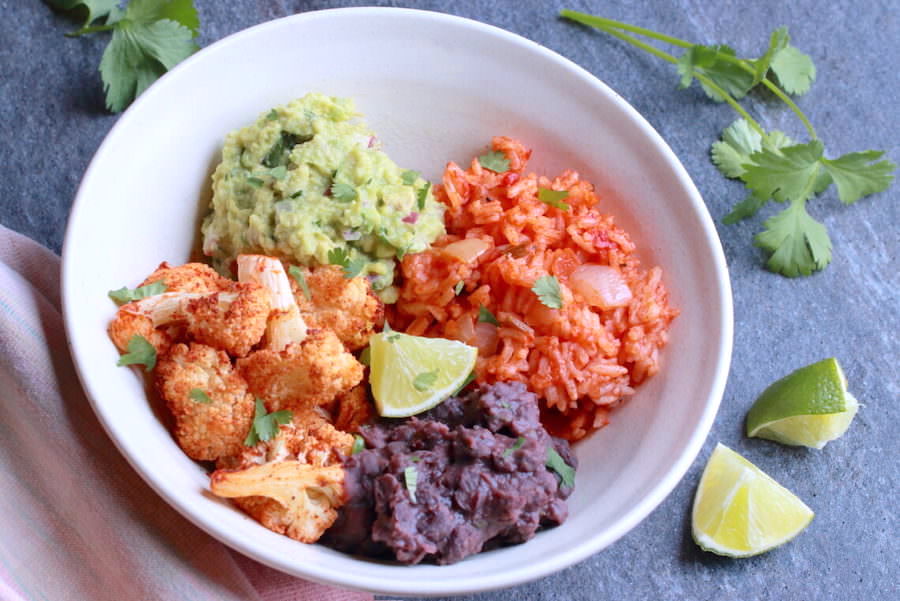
pixel 307 182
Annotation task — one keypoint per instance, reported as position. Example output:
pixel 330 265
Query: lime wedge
pixel 412 374
pixel 809 407
pixel 740 511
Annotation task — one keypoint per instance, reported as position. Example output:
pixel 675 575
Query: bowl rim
pixel 477 583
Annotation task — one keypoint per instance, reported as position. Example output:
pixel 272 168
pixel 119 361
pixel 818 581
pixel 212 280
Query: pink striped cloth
pixel 76 522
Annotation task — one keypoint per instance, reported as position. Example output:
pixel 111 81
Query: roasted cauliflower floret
pixel 286 325
pixel 213 409
pixel 127 324
pixel 190 277
pixel 308 438
pixel 288 497
pixel 348 307
pixel 233 321
pixel 303 375
pixel 353 409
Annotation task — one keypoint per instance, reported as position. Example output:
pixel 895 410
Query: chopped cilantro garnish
pixel 298 276
pixel 485 315
pixel 409 177
pixel 547 290
pixel 410 477
pixel 255 181
pixel 279 172
pixel 352 267
pixel 425 380
pixel 563 470
pixel 460 285
pixel 297 194
pixel 343 192
pixel 125 295
pixel 422 195
pixel 198 395
pixel 495 161
pixel 359 444
pixel 265 425
pixel 514 447
pixel 554 198
pixel 140 352
pixel 273 115
pixel 280 153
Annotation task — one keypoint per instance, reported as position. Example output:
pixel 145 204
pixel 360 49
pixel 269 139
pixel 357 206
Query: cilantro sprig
pixel 149 37
pixel 495 161
pixel 554 198
pixel 140 352
pixel 556 463
pixel 772 166
pixel 352 267
pixel 265 425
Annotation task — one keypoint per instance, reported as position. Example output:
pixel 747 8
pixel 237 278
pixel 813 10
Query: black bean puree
pixel 480 480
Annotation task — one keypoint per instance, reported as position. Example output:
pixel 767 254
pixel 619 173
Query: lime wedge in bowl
pixel 808 407
pixel 412 374
pixel 740 511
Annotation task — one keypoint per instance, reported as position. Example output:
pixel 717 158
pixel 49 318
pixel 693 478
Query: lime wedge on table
pixel 411 374
pixel 809 407
pixel 740 511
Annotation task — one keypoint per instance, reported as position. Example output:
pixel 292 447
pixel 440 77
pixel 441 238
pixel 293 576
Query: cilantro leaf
pixel 198 395
pixel 92 9
pixel 265 425
pixel 554 198
pixel 748 207
pixel 409 177
pixel 792 171
pixel 298 276
pixel 410 477
pixel 422 195
pixel 714 62
pixel 272 115
pixel 794 69
pixel 514 447
pixel 733 151
pixel 352 267
pixel 799 244
pixel 857 175
pixel 343 192
pixel 547 290
pixel 460 285
pixel 556 463
pixel 359 444
pixel 495 161
pixel 151 38
pixel 255 181
pixel 485 316
pixel 425 380
pixel 140 352
pixel 124 295
pixel 778 41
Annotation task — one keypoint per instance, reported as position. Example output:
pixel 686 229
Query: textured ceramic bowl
pixel 435 88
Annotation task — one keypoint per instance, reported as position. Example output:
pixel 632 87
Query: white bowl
pixel 435 88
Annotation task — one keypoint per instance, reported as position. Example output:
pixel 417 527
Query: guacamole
pixel 308 182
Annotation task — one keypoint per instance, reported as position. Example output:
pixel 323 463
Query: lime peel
pixel 808 407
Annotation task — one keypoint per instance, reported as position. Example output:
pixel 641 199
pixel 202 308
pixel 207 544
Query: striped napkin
pixel 76 522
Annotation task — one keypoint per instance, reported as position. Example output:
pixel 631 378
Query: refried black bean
pixel 478 465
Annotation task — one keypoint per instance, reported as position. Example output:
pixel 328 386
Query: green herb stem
pixel 91 29
pixel 605 24
pixel 708 82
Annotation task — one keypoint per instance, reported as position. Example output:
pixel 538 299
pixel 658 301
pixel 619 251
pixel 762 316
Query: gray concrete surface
pixel 52 120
